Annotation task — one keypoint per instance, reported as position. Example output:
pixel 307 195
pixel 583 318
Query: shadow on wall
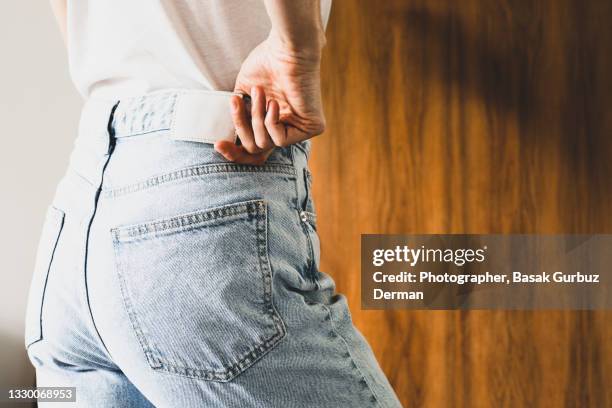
pixel 519 67
pixel 16 370
pixel 509 56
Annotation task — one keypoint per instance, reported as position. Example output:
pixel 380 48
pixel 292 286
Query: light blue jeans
pixel 167 276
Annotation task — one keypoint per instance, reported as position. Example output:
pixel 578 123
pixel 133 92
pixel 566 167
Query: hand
pixel 286 108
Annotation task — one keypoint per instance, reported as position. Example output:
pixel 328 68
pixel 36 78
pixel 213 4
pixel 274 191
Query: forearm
pixel 59 10
pixel 297 24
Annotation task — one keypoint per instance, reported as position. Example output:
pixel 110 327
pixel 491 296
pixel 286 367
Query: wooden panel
pixel 472 116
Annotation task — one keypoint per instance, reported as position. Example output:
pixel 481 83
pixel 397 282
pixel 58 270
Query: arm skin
pixel 59 10
pixel 282 77
pixel 298 25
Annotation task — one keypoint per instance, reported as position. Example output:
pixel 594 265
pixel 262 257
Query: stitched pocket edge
pixel 188 221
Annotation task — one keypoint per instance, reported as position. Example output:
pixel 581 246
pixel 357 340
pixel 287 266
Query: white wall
pixel 39 111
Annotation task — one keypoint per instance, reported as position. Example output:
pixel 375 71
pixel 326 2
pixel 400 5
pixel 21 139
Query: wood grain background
pixel 471 116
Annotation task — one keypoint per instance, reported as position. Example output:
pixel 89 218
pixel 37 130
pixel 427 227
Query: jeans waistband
pixel 143 114
pixel 189 115
pixel 105 123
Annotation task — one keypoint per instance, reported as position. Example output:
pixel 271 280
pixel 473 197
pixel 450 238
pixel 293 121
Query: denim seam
pixel 296 186
pixel 102 165
pixel 266 270
pixel 308 181
pixel 147 132
pixel 142 340
pixel 311 257
pixel 81 176
pixel 173 115
pixel 200 170
pixel 298 208
pixel 310 222
pixel 311 218
pixel 181 222
pixel 348 351
pixel 255 208
pixel 61 216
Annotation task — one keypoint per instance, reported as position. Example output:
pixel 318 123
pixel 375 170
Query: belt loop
pixel 111 129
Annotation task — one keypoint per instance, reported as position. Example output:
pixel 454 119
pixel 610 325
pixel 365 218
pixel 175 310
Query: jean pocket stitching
pixel 196 171
pixel 183 222
pixel 256 209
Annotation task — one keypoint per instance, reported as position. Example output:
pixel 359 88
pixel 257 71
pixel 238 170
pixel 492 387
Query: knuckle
pixel 257 122
pixel 237 116
pixel 320 127
pixel 252 148
pixel 241 123
pixel 264 143
pixel 283 142
pixel 247 144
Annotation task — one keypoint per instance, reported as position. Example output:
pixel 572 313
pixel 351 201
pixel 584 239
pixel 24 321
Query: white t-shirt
pixel 120 48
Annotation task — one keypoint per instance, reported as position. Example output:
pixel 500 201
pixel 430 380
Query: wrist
pixel 303 46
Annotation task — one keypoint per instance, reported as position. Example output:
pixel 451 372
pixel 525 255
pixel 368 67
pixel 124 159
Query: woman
pixel 178 264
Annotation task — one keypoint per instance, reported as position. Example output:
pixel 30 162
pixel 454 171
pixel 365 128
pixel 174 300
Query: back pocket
pixel 52 227
pixel 198 290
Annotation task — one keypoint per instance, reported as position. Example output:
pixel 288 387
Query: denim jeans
pixel 167 276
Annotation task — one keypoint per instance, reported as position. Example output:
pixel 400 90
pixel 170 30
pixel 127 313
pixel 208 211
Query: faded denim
pixel 167 276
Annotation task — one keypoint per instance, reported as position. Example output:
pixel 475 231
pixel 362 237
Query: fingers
pixel 242 124
pixel 252 130
pixel 239 154
pixel 258 117
pixel 259 130
pixel 276 129
pixel 285 134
